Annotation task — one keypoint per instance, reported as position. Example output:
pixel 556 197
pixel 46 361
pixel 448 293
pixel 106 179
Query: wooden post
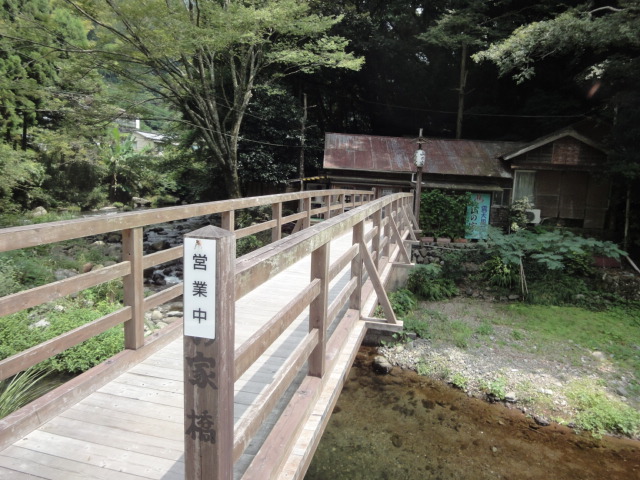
pixel 133 284
pixel 276 214
pixel 387 232
pixel 306 205
pixel 375 241
pixel 318 309
pixel 328 201
pixel 209 327
pixel 355 301
pixel 228 220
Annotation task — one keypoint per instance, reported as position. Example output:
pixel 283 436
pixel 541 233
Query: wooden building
pixel 561 174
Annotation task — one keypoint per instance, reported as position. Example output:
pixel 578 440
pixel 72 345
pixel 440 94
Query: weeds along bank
pixel 555 266
pixel 527 322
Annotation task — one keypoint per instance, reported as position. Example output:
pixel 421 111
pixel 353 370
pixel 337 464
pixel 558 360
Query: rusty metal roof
pixel 395 154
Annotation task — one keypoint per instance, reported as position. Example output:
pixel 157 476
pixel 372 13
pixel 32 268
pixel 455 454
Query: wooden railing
pixel 134 262
pixel 345 211
pixel 392 224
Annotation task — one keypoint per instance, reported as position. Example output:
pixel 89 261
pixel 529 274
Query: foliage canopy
pixel 205 58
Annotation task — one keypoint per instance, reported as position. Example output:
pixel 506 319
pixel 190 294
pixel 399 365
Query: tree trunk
pixel 627 216
pixel 461 89
pixel 303 126
pixel 24 131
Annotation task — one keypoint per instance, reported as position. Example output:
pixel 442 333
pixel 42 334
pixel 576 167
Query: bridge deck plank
pixel 132 427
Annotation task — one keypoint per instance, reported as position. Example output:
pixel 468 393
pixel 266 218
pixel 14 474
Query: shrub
pixel 518 214
pixel 8 277
pixel 495 388
pixel 417 326
pixel 17 334
pixel 557 253
pixel 90 352
pixel 248 244
pixel 426 282
pixel 498 273
pixel 444 214
pixel 402 302
pixel 458 380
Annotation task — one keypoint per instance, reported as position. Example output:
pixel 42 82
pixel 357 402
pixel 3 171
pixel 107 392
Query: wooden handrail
pixel 131 269
pixel 25 236
pixel 318 350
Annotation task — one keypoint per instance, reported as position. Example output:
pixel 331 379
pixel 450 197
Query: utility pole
pixel 419 158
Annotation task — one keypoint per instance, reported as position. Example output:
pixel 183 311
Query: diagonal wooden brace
pixel 409 223
pixel 377 285
pixel 398 239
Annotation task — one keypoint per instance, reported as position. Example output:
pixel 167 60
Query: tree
pixel 19 174
pixel 31 64
pixel 601 38
pixel 205 58
pixel 460 29
pixel 602 45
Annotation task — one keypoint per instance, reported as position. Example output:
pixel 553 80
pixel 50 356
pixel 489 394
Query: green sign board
pixel 478 215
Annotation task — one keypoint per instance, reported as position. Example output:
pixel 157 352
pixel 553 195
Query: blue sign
pixel 478 215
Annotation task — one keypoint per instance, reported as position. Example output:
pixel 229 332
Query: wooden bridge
pixel 299 308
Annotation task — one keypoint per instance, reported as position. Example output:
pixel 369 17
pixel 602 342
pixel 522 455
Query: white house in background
pixel 141 140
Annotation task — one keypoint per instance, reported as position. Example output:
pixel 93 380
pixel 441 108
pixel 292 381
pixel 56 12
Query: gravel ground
pixel 499 367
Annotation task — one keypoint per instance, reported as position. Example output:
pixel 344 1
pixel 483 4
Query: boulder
pixel 160 245
pixel 42 323
pixel 63 273
pixel 140 202
pixel 39 212
pixel 381 364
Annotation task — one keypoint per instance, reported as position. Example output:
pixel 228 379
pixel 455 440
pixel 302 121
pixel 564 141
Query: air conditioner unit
pixel 533 216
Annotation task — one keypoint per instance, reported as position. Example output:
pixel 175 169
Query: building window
pixel 523 185
pixel 501 198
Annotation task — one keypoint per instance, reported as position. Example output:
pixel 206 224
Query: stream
pixel 402 426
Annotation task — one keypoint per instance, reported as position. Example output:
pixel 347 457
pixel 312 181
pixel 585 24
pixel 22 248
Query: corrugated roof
pixel 395 154
pixel 156 137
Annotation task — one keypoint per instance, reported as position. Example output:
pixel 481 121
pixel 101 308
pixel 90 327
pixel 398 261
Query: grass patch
pixel 439 328
pixel 600 413
pixel 17 391
pixel 485 329
pixel 615 332
pixel 417 326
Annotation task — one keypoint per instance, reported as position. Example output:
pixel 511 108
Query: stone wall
pixel 617 281
pixel 435 252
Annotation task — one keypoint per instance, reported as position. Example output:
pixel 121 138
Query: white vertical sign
pixel 199 287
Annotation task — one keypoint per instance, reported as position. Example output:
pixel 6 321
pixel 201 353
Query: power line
pixel 403 107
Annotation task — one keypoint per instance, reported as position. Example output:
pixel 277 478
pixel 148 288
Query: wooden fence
pixel 134 262
pixel 392 223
